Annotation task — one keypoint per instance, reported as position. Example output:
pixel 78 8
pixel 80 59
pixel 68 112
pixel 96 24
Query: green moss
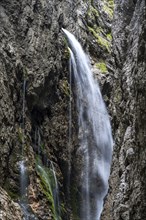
pixel 99 30
pixel 42 146
pixel 109 36
pixel 63 209
pixel 67 53
pixel 108 7
pixel 118 95
pixel 111 3
pixel 47 184
pixel 102 67
pixel 13 195
pixel 92 12
pixel 66 50
pixel 64 86
pixel 101 41
pixel 25 73
pixel 75 202
pixel 20 135
pixel 108 10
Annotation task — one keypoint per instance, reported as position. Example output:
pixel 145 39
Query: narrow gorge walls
pixel 127 192
pixel 33 49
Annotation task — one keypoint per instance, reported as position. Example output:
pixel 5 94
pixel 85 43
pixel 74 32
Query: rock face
pixel 34 100
pixel 127 193
pixel 8 208
pixel 34 95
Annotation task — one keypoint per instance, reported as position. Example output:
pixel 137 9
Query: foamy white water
pixel 95 136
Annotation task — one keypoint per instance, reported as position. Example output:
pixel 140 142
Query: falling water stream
pixel 69 135
pixel 23 168
pixel 23 116
pixel 95 136
pixel 95 140
pixel 56 193
pixel 23 175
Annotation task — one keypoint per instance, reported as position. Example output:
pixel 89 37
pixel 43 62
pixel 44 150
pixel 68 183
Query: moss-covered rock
pixel 100 39
pixel 102 67
pixel 48 187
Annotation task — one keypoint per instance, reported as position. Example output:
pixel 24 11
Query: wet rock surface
pixel 33 49
pixel 8 208
pixel 126 198
pixel 34 58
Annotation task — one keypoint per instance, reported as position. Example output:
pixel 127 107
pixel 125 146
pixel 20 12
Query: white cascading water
pixel 56 193
pixel 23 169
pixel 95 136
pixel 23 173
pixel 23 180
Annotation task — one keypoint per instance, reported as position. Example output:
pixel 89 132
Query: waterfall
pixel 23 180
pixel 23 167
pixel 23 115
pixel 56 193
pixel 23 173
pixel 69 134
pixel 95 138
pixel 22 164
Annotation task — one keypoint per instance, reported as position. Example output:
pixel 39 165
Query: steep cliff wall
pixel 33 51
pixel 8 208
pixel 127 192
pixel 34 96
